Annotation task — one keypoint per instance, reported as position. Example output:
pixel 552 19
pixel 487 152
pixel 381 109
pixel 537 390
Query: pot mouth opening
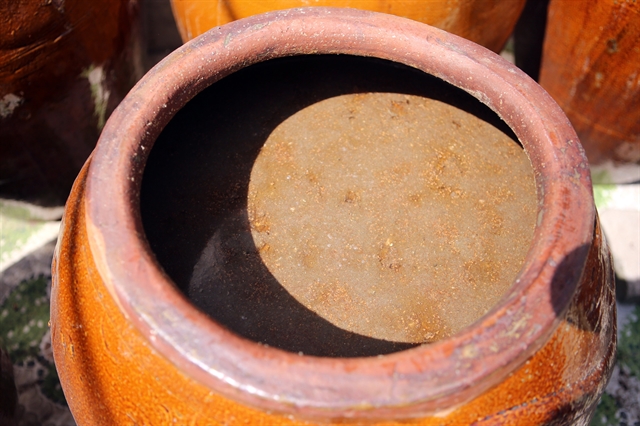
pixel 339 206
pixel 403 384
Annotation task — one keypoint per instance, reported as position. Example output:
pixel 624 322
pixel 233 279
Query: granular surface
pixel 391 215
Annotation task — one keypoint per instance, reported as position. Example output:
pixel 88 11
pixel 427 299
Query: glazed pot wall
pixel 111 374
pixel 590 67
pixel 486 22
pixel 64 66
pixel 147 342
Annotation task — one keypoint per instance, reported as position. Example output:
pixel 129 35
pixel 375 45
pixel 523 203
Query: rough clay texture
pixel 393 216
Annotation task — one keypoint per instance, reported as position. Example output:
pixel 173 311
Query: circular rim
pixel 405 384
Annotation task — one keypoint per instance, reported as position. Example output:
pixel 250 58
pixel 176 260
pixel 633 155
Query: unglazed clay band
pixel 410 383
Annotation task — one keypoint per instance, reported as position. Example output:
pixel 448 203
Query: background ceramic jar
pixel 64 66
pixel 486 22
pixel 130 346
pixel 590 65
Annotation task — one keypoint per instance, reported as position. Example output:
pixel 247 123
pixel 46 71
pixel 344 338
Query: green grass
pixel 24 319
pixel 629 344
pixel 605 414
pixel 628 356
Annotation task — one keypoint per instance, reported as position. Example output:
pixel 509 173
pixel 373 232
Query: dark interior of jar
pixel 197 177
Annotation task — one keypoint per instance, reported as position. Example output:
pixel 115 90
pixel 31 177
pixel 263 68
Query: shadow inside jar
pixel 196 182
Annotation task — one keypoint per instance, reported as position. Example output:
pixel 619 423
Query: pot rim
pixel 410 383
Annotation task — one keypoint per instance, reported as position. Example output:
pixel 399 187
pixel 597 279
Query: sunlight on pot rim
pixel 422 380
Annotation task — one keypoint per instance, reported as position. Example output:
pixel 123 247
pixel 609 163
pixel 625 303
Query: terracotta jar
pixel 590 67
pixel 64 66
pixel 131 344
pixel 486 22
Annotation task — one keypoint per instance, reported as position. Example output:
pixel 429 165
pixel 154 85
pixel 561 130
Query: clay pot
pixel 590 67
pixel 485 22
pixel 130 346
pixel 64 66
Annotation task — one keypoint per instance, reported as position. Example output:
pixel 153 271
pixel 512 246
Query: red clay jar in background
pixel 130 347
pixel 64 66
pixel 486 22
pixel 590 65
